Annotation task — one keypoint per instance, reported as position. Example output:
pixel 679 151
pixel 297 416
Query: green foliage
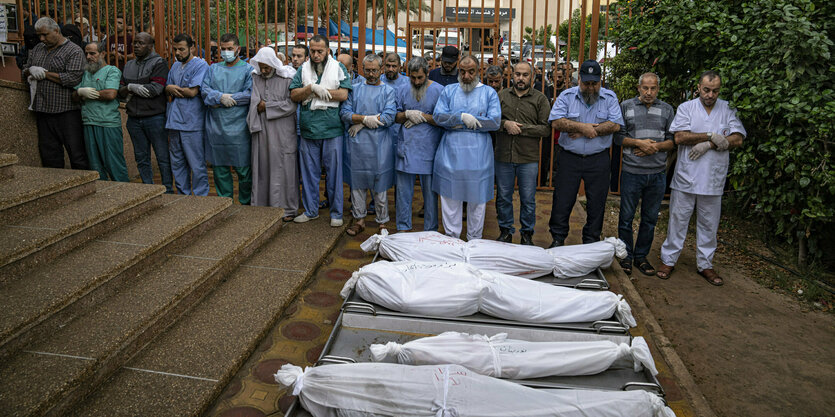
pixel 542 36
pixel 575 33
pixel 775 58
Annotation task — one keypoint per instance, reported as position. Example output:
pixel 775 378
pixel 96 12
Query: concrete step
pixel 51 375
pixel 39 239
pixel 48 296
pixel 33 191
pixel 182 371
pixel 7 163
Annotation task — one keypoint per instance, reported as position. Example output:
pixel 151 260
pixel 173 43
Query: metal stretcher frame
pixel 593 281
pixel 354 332
pixel 613 325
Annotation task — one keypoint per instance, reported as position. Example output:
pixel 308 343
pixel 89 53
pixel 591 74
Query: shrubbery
pixel 775 58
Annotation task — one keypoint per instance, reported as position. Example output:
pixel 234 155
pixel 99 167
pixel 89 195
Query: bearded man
pixel 586 116
pixel 100 115
pixel 184 119
pixel 417 142
pixel 463 168
pixel 272 123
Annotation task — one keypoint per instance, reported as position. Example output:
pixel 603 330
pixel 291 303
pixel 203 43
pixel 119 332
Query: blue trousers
pixel 147 132
pixel 649 189
pixel 507 173
pixel 313 155
pixel 405 190
pixel 188 162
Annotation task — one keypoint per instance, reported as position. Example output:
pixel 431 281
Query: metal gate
pixel 378 25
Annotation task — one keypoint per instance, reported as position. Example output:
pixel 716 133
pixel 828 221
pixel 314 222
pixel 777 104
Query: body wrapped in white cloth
pixel 383 389
pixel 458 289
pixel 500 357
pixel 507 258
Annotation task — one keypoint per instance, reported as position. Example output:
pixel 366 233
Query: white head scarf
pixel 266 55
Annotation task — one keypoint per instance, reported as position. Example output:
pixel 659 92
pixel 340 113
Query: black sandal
pixel 626 265
pixel 645 267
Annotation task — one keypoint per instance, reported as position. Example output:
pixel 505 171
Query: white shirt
pixel 706 175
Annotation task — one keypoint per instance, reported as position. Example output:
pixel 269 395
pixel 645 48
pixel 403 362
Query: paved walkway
pixel 300 335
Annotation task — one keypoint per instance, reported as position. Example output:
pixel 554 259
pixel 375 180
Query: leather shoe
pixel 505 236
pixel 527 238
pixel 555 244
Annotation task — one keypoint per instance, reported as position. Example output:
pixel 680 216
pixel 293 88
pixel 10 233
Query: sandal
pixel 626 266
pixel 355 229
pixel 665 271
pixel 712 277
pixel 383 227
pixel 645 267
pixel 288 218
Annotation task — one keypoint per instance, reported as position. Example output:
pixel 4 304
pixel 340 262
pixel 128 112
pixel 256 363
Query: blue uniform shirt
pixel 570 105
pixel 186 113
pixel 416 146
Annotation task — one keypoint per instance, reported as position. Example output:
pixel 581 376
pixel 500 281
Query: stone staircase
pixel 118 299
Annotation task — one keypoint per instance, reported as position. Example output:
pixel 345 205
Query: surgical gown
pixel 416 146
pixel 463 167
pixel 371 152
pixel 227 135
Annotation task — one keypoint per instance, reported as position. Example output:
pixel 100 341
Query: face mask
pixel 228 56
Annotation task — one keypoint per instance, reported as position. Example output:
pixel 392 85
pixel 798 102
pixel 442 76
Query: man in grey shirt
pixel 645 139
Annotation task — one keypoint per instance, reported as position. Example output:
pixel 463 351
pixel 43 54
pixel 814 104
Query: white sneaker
pixel 302 218
pixel 336 222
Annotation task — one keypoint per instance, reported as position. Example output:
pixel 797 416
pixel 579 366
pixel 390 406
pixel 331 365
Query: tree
pixel 575 32
pixel 775 57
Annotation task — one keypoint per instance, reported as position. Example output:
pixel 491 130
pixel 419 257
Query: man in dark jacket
pixel 142 86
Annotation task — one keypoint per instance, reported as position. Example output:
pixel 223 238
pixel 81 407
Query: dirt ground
pixel 753 351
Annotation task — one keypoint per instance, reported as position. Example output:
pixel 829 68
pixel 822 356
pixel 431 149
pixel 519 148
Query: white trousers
pixel 452 212
pixel 358 207
pixel 708 210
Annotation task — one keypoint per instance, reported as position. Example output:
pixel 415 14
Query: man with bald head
pixel 463 166
pixel 348 61
pixel 143 86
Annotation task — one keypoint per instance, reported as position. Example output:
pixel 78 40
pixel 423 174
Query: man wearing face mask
pixel 524 124
pixel 370 110
pixel 184 119
pixel 417 143
pixel 463 168
pixel 586 116
pixel 142 85
pixel 226 91
pixel 272 123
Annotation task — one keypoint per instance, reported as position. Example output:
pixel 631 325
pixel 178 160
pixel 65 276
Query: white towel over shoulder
pixel 331 77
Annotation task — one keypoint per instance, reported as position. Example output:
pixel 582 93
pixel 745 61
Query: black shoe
pixel 505 236
pixel 420 213
pixel 527 238
pixel 555 244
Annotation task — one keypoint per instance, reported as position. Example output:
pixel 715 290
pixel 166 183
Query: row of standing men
pixel 272 123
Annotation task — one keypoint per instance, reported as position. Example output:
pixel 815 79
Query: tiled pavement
pixel 301 333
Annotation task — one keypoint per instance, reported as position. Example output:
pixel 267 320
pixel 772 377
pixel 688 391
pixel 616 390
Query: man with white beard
pixel 100 115
pixel 272 123
pixel 417 142
pixel 586 116
pixel 463 169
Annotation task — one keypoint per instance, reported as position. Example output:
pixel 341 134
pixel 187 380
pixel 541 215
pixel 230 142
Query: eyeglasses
pixel 372 71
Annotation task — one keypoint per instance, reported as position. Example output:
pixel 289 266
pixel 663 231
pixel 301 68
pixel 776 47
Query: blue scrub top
pixel 371 152
pixel 570 105
pixel 416 146
pixel 186 113
pixel 463 167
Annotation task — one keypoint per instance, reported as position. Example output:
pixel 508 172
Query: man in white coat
pixel 705 129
